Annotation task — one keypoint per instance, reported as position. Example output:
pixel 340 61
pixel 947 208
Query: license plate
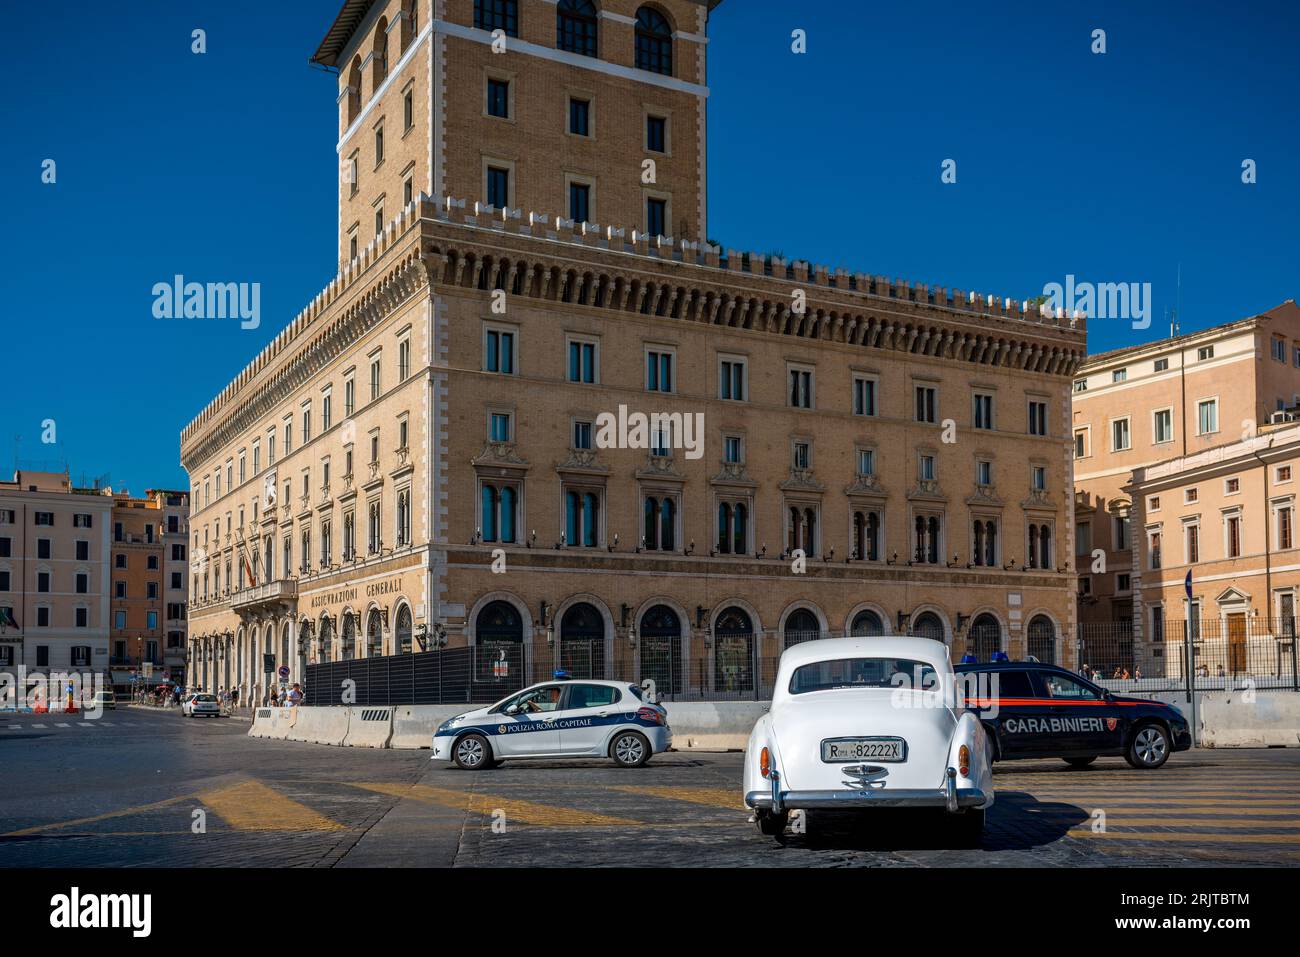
pixel 859 749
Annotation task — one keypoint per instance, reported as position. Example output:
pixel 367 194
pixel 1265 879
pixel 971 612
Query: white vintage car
pixel 868 722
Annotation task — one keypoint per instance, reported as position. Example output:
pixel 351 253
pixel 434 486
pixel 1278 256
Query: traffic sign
pixel 284 671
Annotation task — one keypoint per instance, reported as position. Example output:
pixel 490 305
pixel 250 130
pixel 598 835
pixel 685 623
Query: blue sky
pixel 221 167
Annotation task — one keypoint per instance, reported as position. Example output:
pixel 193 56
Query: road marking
pixel 525 812
pixel 15 727
pixel 252 806
pixel 38 726
pixel 710 797
pixel 62 725
pixel 139 809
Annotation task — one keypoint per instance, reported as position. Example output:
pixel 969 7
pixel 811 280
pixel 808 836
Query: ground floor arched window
pixel 733 651
pixel 498 642
pixel 984 638
pixel 867 623
pixel 582 641
pixel 928 625
pixel 1042 639
pixel 801 625
pixel 402 633
pixel 374 634
pixel 661 649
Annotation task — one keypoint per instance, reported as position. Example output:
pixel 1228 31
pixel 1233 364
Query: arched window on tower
pixel 576 26
pixel 654 42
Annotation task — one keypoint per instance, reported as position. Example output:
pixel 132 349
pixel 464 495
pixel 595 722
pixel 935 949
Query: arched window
pixel 733 651
pixel 379 52
pixel 497 15
pixel 928 625
pixel 792 539
pixel 802 625
pixel 590 515
pixel 349 636
pixel 488 520
pixel 582 642
pixel 661 649
pixel 990 543
pixel 667 525
pixel 498 637
pixel 1031 556
pixel 650 529
pixel 1042 639
pixel 1045 547
pixel 809 532
pixel 354 89
pixel 403 631
pixel 654 42
pixel 575 26
pixel 374 634
pixel 403 517
pixel 984 637
pixel 326 642
pixel 410 22
pixel 977 549
pixel 932 550
pixel 867 624
pixel 740 526
pixel 724 528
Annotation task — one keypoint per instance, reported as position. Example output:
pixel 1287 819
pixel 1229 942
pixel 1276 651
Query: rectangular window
pixel 498 98
pixel 1192 543
pixel 1232 536
pixel 1162 428
pixel 656 134
pixel 1231 486
pixel 408 110
pixel 499 427
pixel 1039 478
pixel 82 618
pixel 864 396
pixel 1119 375
pixel 580 202
pixel 45 518
pixel 926 471
pixel 375 380
pixel 1279 349
pixel 1283 473
pixel 43 548
pixel 732 379
pixel 1120 532
pixel 983 473
pixel 1205 352
pixel 379 145
pixel 656 217
pixel 1191 495
pixel 82 521
pixel 658 371
pixel 866 461
pixel 1080 444
pixel 1120 439
pixel 801 388
pixel 43 616
pixel 802 455
pixel 1153 547
pixel 926 403
pixel 326 411
pixel 1161 365
pixel 1207 416
pixel 982 416
pixel 498 187
pixel 1037 417
pixel 500 15
pixel 1080 385
pixel 499 347
pixel 1285 527
pixel 582 435
pixel 580 117
pixel 403 360
pixel 731 449
pixel 582 361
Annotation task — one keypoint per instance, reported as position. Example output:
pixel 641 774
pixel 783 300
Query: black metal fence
pixel 1235 651
pixel 445 676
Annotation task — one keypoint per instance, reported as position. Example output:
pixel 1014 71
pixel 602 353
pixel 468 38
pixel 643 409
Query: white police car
pixel 557 719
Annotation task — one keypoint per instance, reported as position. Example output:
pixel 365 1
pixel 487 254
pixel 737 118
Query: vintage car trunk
pixel 913 716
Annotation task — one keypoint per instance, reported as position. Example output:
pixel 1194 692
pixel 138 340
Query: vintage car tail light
pixel 764 762
pixel 963 760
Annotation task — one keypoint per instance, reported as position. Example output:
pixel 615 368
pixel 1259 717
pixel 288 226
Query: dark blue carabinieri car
pixel 1043 711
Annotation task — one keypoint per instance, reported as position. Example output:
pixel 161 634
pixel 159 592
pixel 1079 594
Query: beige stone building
pixel 54 562
pixel 445 445
pixel 1227 516
pixel 1159 409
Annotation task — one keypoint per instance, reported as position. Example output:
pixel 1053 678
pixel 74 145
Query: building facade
pixel 1159 413
pixel 602 448
pixel 54 563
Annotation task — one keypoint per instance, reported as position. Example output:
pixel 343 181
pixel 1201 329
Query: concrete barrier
pixel 713 725
pixel 1271 719
pixel 369 727
pixel 413 725
pixel 319 725
pixel 273 723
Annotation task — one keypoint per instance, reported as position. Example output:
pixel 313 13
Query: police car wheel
pixel 472 753
pixel 1081 762
pixel 630 750
pixel 1149 747
pixel 771 825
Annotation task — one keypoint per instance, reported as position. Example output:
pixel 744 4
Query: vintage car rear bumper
pixel 876 797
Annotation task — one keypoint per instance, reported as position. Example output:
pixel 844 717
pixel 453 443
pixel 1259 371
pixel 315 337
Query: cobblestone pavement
pixel 131 789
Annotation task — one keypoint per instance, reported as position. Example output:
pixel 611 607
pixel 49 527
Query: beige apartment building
pixel 1226 516
pixel 445 446
pixel 1156 409
pixel 147 630
pixel 54 596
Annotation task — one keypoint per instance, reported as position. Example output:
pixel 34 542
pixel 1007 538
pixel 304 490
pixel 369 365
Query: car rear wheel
pixel 1148 748
pixel 771 825
pixel 473 753
pixel 1081 762
pixel 630 749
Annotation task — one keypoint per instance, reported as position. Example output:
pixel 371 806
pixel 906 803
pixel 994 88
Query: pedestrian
pixel 271 698
pixel 234 697
pixel 295 696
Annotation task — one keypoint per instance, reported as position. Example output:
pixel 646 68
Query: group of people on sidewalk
pixel 228 698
